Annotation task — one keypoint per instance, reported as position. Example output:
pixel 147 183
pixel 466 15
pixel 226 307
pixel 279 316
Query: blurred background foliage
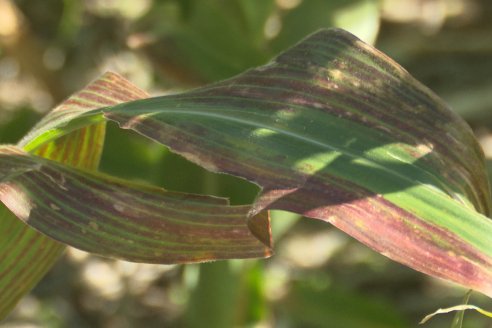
pixel 319 276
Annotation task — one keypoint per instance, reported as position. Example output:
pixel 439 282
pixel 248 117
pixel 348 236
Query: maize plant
pixel 331 129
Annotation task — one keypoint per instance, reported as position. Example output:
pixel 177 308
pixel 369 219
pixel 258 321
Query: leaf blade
pixel 334 130
pixel 116 218
pixel 26 259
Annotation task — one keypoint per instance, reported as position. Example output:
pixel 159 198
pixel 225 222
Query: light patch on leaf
pixel 335 74
pixel 333 219
pixel 197 159
pixel 262 133
pixel 54 207
pixel 286 114
pixel 94 225
pixel 316 162
pixel 119 207
pixel 16 201
pixel 425 149
pixel 361 224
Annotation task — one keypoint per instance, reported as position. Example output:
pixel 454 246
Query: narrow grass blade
pixel 458 318
pixel 456 308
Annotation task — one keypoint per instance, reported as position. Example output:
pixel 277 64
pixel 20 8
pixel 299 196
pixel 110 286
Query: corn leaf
pixel 116 218
pixel 334 130
pixel 25 254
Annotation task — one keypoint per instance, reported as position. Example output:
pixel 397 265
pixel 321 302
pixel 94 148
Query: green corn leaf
pixel 334 130
pixel 25 254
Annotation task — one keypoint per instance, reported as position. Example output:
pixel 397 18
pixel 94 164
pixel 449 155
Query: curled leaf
pixel 25 254
pixel 334 130
pixel 116 218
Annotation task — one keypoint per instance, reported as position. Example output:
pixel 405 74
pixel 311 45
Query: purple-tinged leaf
pixel 334 130
pixel 116 218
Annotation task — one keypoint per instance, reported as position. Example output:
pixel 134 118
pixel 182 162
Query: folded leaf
pixel 25 254
pixel 335 130
pixel 117 218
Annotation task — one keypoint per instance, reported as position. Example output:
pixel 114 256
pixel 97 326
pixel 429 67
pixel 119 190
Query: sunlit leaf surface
pixel 334 130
